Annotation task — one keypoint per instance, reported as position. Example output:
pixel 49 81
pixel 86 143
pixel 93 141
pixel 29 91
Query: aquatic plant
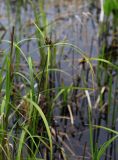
pixel 40 99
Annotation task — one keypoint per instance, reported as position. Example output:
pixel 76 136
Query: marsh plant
pixel 41 101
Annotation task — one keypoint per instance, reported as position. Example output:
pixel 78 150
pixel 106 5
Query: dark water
pixel 78 23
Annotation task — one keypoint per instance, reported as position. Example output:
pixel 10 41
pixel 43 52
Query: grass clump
pixel 42 101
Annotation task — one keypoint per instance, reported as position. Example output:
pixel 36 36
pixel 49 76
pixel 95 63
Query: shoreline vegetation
pixel 58 100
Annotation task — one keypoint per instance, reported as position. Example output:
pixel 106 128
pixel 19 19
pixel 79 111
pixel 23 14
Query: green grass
pixel 30 94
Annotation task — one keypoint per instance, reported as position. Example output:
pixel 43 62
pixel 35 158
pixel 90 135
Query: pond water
pixel 75 22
